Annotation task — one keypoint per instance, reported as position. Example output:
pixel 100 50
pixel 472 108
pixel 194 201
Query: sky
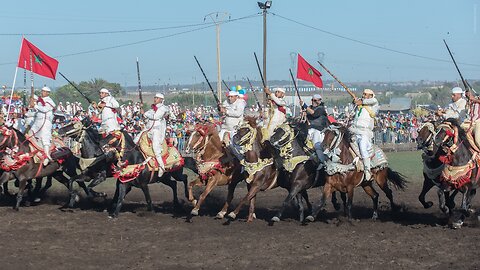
pixel 344 34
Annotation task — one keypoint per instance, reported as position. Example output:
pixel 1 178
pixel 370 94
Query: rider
pixel 233 109
pixel 42 123
pixel 317 121
pixel 456 109
pixel 473 118
pixel 155 128
pixel 278 116
pixel 362 127
pixel 108 107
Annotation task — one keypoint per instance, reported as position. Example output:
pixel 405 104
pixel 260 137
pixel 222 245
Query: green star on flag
pixel 38 59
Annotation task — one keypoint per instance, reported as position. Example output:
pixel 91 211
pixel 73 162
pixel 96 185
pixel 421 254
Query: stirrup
pixel 46 161
pixel 368 175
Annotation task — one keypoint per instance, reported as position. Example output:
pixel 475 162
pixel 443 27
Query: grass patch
pixel 407 163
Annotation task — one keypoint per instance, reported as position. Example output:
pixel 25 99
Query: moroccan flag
pixel 307 72
pixel 41 63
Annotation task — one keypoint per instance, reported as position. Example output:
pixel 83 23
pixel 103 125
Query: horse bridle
pixel 450 137
pixel 247 140
pixel 8 134
pixel 204 134
pixel 336 140
pixel 428 142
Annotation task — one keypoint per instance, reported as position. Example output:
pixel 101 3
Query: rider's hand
pixel 357 102
pixel 267 90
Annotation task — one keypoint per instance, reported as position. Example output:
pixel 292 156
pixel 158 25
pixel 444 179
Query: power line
pixel 148 40
pixel 368 44
pixel 106 32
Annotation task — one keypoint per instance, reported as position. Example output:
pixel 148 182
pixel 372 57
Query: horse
pixel 295 157
pixel 215 164
pixel 344 177
pixel 432 169
pixel 22 167
pixel 461 170
pixel 127 152
pixel 257 162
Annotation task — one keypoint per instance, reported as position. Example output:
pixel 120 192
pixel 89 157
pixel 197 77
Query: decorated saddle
pixel 377 157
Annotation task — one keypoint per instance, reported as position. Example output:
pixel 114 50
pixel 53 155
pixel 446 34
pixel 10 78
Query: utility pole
pixel 264 7
pixel 218 18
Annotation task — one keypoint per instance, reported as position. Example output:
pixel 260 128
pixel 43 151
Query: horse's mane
pixel 461 132
pixel 300 130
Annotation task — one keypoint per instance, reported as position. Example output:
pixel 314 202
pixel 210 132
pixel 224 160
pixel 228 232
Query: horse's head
pixel 332 138
pixel 281 136
pixel 245 135
pixel 426 135
pixel 199 138
pixel 6 136
pixel 444 138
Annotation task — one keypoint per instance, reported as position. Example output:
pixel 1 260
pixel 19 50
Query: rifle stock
pixel 341 83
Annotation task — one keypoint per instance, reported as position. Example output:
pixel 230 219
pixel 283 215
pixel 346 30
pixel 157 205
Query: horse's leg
pixel 326 191
pixel 181 177
pixel 210 185
pixel 305 196
pixel 98 179
pixel 21 188
pixel 122 187
pixel 427 185
pixel 167 180
pixel 381 179
pixel 196 182
pixel 251 210
pixel 349 201
pixel 335 203
pixel 254 189
pixel 294 190
pixel 442 197
pixel 148 198
pixel 374 195
pixel 231 191
pixel 301 208
pixel 42 191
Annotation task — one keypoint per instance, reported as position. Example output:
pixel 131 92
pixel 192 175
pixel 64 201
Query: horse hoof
pixel 194 202
pixel 428 205
pixel 37 200
pixel 194 212
pixel 310 219
pixel 457 225
pixel 220 215
pixel 232 215
pixel 375 216
pixel 77 198
pixel 275 219
pixel 254 216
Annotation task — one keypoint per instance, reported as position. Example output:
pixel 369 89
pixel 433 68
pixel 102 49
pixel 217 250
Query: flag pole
pixel 32 90
pixel 11 94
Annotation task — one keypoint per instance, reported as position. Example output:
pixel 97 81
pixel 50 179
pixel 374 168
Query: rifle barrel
pixel 89 100
pixel 335 77
pixel 465 84
pixel 260 70
pixel 139 83
pixel 208 82
pixel 295 85
pixel 254 95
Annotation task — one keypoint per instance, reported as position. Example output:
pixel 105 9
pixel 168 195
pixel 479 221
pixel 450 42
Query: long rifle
pixel 254 95
pixel 89 100
pixel 226 85
pixel 139 83
pixel 209 85
pixel 260 71
pixel 341 83
pixel 295 85
pixel 465 83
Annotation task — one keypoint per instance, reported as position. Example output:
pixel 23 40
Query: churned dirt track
pixel 45 237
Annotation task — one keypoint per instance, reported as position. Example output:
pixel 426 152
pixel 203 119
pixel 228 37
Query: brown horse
pixel 215 164
pixel 258 163
pixel 338 139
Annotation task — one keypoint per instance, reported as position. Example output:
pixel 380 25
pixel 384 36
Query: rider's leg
pixel 157 141
pixel 364 144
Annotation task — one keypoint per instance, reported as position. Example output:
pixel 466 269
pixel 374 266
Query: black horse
pixel 132 155
pixel 461 167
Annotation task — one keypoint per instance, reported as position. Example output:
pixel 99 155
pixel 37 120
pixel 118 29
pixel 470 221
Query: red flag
pixel 307 72
pixel 41 63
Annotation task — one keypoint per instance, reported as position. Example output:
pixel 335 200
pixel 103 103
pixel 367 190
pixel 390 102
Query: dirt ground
pixel 45 237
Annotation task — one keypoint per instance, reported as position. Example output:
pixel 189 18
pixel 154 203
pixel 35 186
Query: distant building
pixel 397 105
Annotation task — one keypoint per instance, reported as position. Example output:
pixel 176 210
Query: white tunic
pixel 109 117
pixel 279 114
pixel 456 110
pixel 233 114
pixel 42 124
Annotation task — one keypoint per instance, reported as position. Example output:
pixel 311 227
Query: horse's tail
pixel 397 179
